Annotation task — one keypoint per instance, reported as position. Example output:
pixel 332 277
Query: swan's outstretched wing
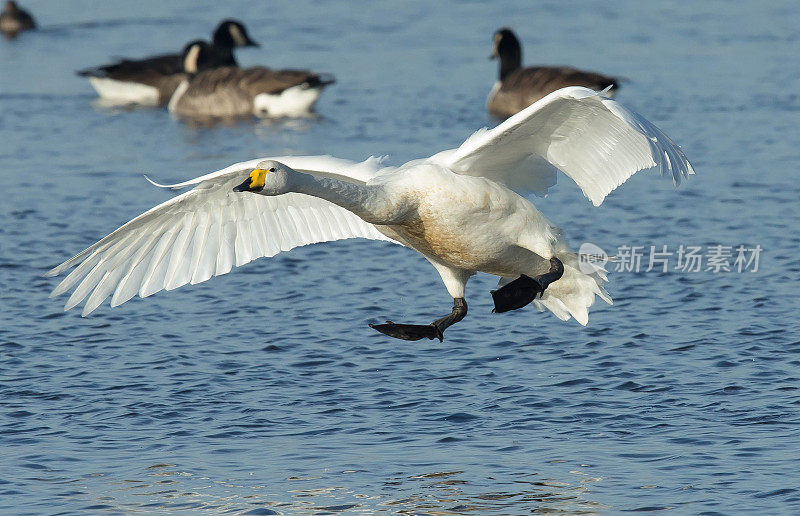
pixel 594 140
pixel 209 229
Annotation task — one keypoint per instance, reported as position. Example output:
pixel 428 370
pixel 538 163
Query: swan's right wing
pixel 205 232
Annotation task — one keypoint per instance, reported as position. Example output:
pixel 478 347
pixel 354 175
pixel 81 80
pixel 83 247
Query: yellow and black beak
pixel 254 183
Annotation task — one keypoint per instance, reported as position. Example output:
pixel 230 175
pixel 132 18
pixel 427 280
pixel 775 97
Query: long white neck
pixel 369 202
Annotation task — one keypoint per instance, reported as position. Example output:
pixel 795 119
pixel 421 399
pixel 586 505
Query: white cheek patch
pixel 237 36
pixel 190 61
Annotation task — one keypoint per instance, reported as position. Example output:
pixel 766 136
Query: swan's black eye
pixel 272 169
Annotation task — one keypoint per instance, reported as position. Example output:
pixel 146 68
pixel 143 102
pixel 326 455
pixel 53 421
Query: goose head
pixel 198 55
pixel 505 43
pixel 506 47
pixel 231 33
pixel 270 177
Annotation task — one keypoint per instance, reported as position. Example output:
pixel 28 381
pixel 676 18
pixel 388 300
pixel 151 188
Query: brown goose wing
pixel 259 80
pixel 26 20
pixel 132 69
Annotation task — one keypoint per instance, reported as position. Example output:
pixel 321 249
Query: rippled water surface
pixel 265 392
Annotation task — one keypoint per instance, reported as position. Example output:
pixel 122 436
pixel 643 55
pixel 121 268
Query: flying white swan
pixel 462 209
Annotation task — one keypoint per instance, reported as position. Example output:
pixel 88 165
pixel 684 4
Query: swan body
pixel 453 220
pixel 463 209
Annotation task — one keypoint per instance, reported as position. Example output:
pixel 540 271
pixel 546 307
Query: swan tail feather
pixel 575 291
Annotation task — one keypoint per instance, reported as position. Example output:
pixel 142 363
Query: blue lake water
pixel 265 392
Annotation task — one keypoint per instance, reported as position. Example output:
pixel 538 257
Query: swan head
pixel 270 177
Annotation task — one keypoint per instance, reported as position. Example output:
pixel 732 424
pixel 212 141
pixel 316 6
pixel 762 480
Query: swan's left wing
pixel 209 229
pixel 593 140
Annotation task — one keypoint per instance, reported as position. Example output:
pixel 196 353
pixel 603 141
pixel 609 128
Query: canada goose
pixel 14 20
pixel 518 88
pixel 461 209
pixel 153 80
pixel 231 91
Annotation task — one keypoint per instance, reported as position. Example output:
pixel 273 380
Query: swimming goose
pixel 230 91
pixel 518 88
pixel 153 80
pixel 462 209
pixel 14 20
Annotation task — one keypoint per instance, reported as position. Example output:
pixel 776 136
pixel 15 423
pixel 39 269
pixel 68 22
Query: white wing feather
pixel 317 165
pixel 593 140
pixel 208 230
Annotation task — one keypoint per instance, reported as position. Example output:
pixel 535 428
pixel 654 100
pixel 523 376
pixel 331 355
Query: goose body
pixel 14 20
pixel 463 209
pixel 518 87
pixel 153 80
pixel 231 91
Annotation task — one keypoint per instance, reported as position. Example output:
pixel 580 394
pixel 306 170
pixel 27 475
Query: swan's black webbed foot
pixel 524 289
pixel 409 331
pixel 516 294
pixel 434 330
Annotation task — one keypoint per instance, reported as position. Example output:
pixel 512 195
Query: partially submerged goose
pixel 462 209
pixel 14 20
pixel 153 80
pixel 518 88
pixel 231 91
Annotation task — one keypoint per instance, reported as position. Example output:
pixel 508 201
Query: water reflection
pixel 260 125
pixel 115 107
pixel 167 488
